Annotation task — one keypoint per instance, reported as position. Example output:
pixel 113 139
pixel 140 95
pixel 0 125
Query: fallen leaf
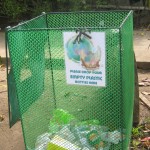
pixel 2 66
pixel 146 145
pixel 1 118
pixel 146 142
pixel 146 131
pixel 2 80
pixel 136 142
pixel 145 139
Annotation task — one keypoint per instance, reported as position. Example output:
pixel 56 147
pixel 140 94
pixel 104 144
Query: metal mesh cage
pixel 47 104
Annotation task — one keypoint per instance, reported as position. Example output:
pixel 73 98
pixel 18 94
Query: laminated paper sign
pixel 85 58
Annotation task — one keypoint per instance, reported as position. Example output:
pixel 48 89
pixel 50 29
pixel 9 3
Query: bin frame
pixel 47 29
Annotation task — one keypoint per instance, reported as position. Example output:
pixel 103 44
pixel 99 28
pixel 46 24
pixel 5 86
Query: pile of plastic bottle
pixel 67 133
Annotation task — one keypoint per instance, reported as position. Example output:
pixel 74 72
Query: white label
pixel 85 58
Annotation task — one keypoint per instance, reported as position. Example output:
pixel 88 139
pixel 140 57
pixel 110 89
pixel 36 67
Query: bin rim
pixel 69 29
pixel 14 28
pixel 100 11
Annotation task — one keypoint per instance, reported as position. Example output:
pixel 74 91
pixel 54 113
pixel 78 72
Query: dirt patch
pixel 144 111
pixel 10 139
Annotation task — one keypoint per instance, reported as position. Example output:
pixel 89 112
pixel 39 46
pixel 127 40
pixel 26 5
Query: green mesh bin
pixel 48 104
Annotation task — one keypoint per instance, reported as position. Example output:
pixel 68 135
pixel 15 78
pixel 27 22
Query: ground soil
pixel 12 139
pixel 144 111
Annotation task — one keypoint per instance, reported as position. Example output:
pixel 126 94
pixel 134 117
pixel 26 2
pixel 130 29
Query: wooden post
pixel 136 96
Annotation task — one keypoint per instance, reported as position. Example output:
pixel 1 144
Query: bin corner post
pixel 51 66
pixel 7 64
pixel 7 71
pixel 121 110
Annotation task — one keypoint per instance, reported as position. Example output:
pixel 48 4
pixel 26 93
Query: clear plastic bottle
pixel 66 134
pixel 42 141
pixel 112 137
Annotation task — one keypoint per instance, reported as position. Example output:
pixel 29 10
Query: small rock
pixel 141 84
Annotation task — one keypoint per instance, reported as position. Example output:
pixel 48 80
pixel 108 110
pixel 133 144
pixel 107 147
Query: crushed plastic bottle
pixel 112 137
pixel 42 141
pixel 58 142
pixel 86 148
pixel 85 144
pixel 115 137
pixel 54 127
pixel 61 117
pixel 66 134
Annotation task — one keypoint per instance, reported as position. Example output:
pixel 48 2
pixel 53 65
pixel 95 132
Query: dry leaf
pixel 146 142
pixel 136 142
pixel 1 118
pixel 145 139
pixel 2 66
pixel 146 131
pixel 2 80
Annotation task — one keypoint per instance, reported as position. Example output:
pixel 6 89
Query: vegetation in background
pixel 13 9
pixel 17 10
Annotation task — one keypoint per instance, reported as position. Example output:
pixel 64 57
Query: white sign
pixel 85 58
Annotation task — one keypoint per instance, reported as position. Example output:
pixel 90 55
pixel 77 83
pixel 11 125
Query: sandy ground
pixel 11 139
pixel 141 41
pixel 144 111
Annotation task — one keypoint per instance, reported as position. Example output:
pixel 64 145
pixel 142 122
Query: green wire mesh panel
pixel 14 113
pixel 127 73
pixel 54 112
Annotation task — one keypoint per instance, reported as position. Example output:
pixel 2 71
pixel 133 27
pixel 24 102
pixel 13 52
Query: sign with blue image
pixel 85 58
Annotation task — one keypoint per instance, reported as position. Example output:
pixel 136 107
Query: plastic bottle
pixel 115 137
pixel 112 137
pixel 66 134
pixel 42 141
